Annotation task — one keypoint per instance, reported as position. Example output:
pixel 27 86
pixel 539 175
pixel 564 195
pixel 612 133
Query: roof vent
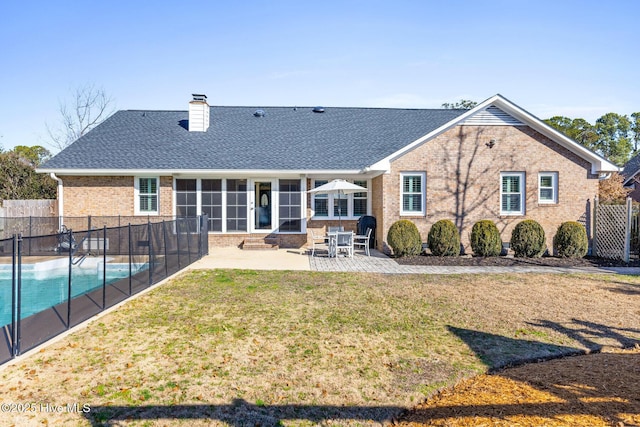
pixel 259 113
pixel 318 109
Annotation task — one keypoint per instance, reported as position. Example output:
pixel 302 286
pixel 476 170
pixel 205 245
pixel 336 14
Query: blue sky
pixel 571 58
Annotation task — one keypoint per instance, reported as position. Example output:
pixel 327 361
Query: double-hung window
pixel 412 189
pixel 548 187
pixel 321 201
pixel 512 192
pixel 360 200
pixel 147 198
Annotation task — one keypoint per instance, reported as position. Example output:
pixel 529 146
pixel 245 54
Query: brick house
pixel 631 177
pixel 249 168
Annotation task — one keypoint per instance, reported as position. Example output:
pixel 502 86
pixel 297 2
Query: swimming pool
pixel 46 284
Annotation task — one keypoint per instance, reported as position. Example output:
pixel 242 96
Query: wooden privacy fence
pixel 615 226
pixel 31 217
pixel 26 208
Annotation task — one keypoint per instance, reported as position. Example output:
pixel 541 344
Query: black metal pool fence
pixel 50 283
pixel 45 225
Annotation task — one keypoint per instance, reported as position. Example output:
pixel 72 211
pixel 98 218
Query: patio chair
pixel 363 241
pixel 335 229
pixel 318 242
pixel 344 242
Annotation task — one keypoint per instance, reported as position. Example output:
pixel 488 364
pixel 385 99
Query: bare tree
pixel 89 107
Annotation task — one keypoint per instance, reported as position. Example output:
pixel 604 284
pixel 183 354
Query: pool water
pixel 46 284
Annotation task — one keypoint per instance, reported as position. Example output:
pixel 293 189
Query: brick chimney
pixel 198 113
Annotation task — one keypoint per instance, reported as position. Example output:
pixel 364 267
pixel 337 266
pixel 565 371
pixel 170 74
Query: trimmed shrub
pixel 571 240
pixel 444 239
pixel 485 238
pixel 528 239
pixel 404 238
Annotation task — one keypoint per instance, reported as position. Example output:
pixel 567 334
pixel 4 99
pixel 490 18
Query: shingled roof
pixel 631 169
pixel 284 138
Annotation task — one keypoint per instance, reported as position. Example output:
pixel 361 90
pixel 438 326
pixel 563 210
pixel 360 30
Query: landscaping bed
pixel 507 261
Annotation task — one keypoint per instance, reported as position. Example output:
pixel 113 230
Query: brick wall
pixel 463 180
pixel 217 240
pixel 165 202
pixel 108 195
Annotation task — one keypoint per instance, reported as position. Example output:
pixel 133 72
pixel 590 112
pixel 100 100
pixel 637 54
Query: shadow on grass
pixel 241 413
pixel 626 289
pixel 593 335
pixel 575 391
pixel 600 385
pixel 497 351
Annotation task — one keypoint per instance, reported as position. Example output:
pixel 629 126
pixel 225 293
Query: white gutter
pixel 60 199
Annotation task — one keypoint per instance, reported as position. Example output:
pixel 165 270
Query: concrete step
pixel 260 243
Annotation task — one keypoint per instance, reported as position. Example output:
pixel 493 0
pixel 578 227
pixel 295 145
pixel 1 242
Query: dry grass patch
pixel 298 348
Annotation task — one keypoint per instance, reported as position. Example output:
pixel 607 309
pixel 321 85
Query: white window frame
pixel 323 197
pixel 423 194
pixel 366 198
pixel 331 200
pixel 554 188
pixel 137 194
pixel 522 193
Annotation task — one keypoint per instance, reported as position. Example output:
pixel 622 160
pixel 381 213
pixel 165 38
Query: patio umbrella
pixel 339 187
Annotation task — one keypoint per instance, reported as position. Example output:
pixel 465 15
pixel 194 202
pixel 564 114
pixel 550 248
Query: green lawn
pixel 235 347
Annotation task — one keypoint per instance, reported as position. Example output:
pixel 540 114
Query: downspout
pixel 60 199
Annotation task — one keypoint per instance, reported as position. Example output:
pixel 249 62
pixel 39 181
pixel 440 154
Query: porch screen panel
pixel 212 202
pixel 237 205
pixel 290 206
pixel 186 198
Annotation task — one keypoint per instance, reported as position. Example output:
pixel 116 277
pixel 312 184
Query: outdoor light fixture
pixel 491 143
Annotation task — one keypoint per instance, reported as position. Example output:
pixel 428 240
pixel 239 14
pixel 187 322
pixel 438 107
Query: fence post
pixel 30 232
pixel 15 301
pixel 130 260
pixel 70 235
pixel 166 256
pixel 199 224
pixel 188 240
pixel 19 284
pixel 594 245
pixel 205 227
pixel 104 267
pixel 177 221
pixel 150 253
pixel 627 234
